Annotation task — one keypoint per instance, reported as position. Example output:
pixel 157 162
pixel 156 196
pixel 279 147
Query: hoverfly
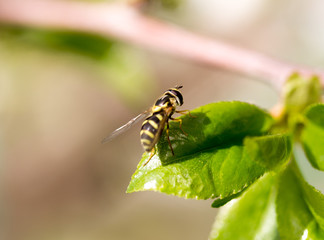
pixel 156 118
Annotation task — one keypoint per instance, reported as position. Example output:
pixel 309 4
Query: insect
pixel 156 118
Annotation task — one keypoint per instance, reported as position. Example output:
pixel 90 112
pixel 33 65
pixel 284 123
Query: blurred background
pixel 61 93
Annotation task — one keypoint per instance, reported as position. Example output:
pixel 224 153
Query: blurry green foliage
pixel 165 4
pixel 171 4
pixel 93 46
pixel 125 70
pixel 128 74
pixel 312 136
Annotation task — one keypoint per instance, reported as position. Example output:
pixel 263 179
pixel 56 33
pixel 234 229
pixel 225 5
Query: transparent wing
pixel 125 127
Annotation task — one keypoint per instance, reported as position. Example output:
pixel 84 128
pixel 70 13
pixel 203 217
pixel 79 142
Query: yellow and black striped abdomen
pixel 151 130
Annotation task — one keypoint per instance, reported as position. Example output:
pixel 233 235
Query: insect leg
pixel 167 133
pixel 152 153
pixel 183 112
pixel 180 124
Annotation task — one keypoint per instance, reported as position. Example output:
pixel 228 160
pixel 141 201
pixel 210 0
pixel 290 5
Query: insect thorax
pixel 165 101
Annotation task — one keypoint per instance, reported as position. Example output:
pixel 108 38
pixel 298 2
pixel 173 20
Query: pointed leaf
pixel 211 160
pixel 313 135
pixel 315 113
pixel 300 207
pixel 252 216
pixel 209 174
pixel 313 232
pixel 270 151
pixel 293 215
pixel 214 125
pixel 315 201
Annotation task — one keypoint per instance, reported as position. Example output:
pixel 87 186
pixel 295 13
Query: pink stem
pixel 127 24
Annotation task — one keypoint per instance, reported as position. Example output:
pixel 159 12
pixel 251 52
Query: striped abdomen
pixel 151 129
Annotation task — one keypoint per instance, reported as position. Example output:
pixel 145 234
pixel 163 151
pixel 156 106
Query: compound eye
pixel 177 95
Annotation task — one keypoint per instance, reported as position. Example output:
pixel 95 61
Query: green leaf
pixel 312 136
pixel 293 215
pixel 299 92
pixel 313 232
pixel 252 216
pixel 300 207
pixel 270 151
pixel 315 201
pixel 207 174
pixel 315 113
pixel 215 125
pixel 211 161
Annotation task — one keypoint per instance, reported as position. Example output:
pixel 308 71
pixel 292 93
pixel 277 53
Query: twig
pixel 127 24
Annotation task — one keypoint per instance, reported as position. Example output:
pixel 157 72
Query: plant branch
pixel 127 24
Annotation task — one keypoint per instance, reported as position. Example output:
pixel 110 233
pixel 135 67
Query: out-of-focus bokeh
pixel 62 92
